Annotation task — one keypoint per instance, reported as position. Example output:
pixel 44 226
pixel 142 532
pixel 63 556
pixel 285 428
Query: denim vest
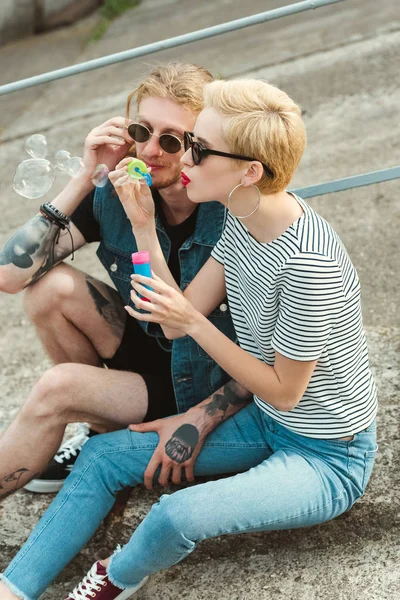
pixel 195 375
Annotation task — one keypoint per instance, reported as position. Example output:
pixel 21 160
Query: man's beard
pixel 161 182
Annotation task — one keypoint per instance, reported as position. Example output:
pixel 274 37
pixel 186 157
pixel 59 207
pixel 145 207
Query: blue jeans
pixel 285 481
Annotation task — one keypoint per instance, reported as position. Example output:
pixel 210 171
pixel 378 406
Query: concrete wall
pixel 53 13
pixel 17 19
pixel 20 18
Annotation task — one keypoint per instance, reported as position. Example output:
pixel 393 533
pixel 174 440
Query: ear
pixel 253 174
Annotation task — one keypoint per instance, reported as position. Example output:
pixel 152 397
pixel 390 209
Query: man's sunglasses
pixel 168 142
pixel 199 152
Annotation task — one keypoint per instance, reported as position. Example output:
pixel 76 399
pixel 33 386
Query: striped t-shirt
pixel 299 295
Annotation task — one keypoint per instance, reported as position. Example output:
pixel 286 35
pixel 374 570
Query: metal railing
pixel 179 40
pixel 305 192
pixel 348 183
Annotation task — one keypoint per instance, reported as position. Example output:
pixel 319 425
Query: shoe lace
pixel 73 445
pixel 90 584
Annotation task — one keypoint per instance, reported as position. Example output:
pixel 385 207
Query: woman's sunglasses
pixel 199 152
pixel 168 142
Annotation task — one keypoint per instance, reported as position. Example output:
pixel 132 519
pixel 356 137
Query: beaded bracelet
pixel 54 215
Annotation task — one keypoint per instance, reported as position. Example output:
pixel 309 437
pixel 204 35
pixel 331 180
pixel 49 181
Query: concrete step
pixel 355 554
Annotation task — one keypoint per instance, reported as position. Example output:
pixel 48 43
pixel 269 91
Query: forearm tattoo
pixel 182 443
pixel 33 245
pixel 108 304
pixel 231 394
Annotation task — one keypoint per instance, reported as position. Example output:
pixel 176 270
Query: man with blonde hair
pixel 81 320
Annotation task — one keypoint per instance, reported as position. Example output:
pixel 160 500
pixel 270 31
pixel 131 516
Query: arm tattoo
pixel 232 394
pixel 108 304
pixel 32 245
pixel 182 443
pixel 27 243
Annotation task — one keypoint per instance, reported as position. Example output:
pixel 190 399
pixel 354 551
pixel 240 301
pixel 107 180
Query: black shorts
pixel 141 353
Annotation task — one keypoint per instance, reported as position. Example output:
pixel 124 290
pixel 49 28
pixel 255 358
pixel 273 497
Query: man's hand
pixel 182 436
pixel 106 144
pixel 135 196
pixel 181 440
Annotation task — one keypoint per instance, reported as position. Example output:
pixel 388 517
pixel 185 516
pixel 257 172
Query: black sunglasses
pixel 168 142
pixel 199 152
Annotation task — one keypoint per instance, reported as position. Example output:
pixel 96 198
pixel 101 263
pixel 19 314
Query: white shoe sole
pixel 129 592
pixel 44 486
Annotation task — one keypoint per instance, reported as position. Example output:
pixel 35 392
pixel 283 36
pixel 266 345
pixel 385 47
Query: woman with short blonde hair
pixel 297 425
pixel 254 111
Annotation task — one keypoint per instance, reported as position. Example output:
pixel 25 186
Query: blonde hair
pixel 182 82
pixel 260 121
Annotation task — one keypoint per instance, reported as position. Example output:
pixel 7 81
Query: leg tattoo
pixel 112 310
pixel 10 483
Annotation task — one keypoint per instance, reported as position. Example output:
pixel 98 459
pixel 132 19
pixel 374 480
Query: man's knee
pixel 47 294
pixel 51 396
pixel 104 458
pixel 101 445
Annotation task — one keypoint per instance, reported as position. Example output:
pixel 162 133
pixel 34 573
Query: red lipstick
pixel 185 179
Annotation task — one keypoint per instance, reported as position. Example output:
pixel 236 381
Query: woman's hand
pixel 135 196
pixel 106 144
pixel 165 305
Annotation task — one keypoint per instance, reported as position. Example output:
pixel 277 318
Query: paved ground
pixel 341 64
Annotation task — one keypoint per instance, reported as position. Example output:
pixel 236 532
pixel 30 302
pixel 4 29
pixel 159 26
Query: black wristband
pixel 54 215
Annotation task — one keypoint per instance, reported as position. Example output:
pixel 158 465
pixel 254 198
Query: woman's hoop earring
pixel 250 213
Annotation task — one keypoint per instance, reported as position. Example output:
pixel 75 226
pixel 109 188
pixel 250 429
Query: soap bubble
pixel 62 158
pixel 100 175
pixel 33 178
pixel 75 166
pixel 36 146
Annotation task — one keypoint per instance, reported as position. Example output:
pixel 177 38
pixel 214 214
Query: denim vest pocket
pixel 369 459
pixel 120 274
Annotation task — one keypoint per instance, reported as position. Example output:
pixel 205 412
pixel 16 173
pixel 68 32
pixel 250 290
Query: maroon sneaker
pixel 97 585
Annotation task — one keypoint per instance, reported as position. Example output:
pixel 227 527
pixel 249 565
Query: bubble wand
pixel 138 170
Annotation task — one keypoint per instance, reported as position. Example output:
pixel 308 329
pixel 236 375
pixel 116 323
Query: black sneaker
pixel 58 469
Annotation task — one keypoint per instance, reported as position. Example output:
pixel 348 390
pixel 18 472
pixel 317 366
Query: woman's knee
pixel 172 515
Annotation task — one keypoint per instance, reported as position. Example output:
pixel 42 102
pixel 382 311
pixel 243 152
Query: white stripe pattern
pixel 299 295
